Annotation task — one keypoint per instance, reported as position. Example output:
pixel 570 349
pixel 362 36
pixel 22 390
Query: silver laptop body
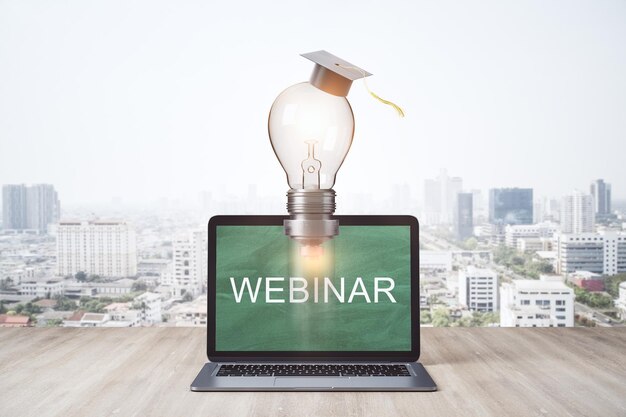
pixel 235 368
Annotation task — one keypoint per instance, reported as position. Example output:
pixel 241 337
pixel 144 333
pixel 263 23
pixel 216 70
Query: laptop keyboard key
pixel 360 370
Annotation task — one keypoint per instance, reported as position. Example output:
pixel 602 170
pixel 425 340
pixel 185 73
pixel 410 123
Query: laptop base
pixel 418 381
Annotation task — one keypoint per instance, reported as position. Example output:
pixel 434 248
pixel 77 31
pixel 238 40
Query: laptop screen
pixel 351 294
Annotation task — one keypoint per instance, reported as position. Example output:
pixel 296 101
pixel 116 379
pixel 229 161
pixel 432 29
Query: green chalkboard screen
pixel 353 295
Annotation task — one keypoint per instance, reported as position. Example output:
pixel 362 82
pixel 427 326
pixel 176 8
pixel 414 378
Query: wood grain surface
pixel 147 372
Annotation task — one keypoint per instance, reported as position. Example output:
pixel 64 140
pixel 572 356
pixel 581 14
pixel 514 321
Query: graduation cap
pixel 333 74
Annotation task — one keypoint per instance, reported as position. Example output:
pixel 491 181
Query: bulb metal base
pixel 311 221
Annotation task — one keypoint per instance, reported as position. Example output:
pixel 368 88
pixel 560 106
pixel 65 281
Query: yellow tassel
pixel 382 100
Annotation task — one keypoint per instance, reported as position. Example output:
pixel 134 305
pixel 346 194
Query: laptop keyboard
pixel 312 370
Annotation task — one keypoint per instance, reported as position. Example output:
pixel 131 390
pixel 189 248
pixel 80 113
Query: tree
pixel 471 243
pixel 64 304
pixel 80 276
pixel 611 284
pixel 139 286
pixel 441 318
pixel 425 317
pixel 187 297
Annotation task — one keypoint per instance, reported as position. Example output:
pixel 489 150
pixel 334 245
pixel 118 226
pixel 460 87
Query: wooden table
pixel 147 372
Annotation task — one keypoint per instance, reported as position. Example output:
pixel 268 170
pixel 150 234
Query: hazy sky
pixel 143 99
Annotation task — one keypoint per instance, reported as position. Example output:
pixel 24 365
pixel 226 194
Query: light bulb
pixel 311 132
pixel 311 127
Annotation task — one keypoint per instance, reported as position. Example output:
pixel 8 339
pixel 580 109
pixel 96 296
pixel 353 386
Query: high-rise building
pixel 14 207
pixel 478 206
pixel 511 206
pixel 464 218
pixel 536 303
pixel 601 253
pixel 101 247
pixel 439 198
pixel 190 264
pixel 601 192
pixel 577 214
pixel 478 289
pixel 29 207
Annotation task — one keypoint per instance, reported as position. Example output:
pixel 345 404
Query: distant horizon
pixel 416 193
pixel 140 99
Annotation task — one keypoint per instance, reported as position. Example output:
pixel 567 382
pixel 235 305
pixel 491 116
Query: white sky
pixel 144 99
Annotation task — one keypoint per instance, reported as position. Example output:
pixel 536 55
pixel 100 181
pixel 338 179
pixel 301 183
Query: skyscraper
pixel 439 198
pixel 577 213
pixel 601 193
pixel 464 218
pixel 511 206
pixel 29 208
pixel 13 207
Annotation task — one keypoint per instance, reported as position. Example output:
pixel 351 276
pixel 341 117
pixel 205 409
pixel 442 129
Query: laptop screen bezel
pixel 377 220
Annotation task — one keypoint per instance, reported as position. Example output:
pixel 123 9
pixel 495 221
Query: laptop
pixel 343 319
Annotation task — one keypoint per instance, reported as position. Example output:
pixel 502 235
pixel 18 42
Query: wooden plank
pixel 147 371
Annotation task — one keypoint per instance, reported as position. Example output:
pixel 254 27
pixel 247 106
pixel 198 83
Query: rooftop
pixel 533 284
pixel 14 319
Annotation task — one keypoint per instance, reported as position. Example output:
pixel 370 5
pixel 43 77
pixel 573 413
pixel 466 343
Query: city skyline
pixel 139 110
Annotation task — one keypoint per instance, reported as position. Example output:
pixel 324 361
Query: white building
pixel 512 233
pixel 44 288
pixel 435 260
pixel 193 313
pixel 540 244
pixel 153 267
pixel 478 289
pixel 149 304
pixel 536 303
pixel 113 288
pixel 190 264
pixel 123 315
pixel 104 248
pixel 577 213
pixel 84 319
pixel 602 253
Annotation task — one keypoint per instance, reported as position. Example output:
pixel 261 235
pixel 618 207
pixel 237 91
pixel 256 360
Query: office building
pixel 577 214
pixel 601 253
pixel 534 244
pixel 101 247
pixel 190 264
pixel 464 217
pixel 511 206
pixel 29 208
pixel 513 233
pixel 47 288
pixel 601 193
pixel 478 206
pixel 439 198
pixel 478 289
pixel 547 302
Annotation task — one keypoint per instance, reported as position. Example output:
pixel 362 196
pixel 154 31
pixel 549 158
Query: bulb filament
pixel 311 168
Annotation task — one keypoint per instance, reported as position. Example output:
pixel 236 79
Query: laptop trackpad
pixel 311 382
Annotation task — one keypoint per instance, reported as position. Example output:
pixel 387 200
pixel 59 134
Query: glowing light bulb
pixel 311 127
